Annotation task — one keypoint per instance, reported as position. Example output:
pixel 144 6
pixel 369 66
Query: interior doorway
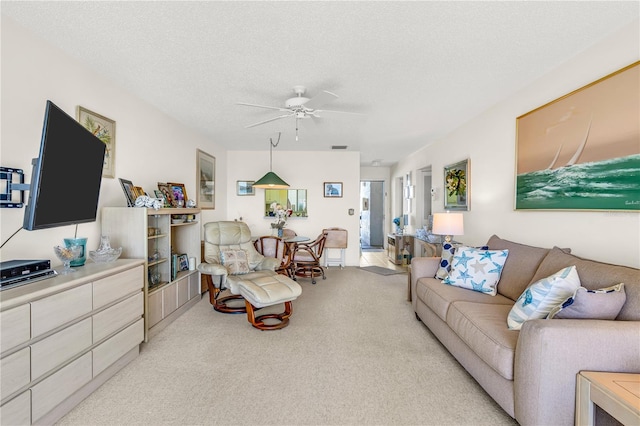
pixel 372 215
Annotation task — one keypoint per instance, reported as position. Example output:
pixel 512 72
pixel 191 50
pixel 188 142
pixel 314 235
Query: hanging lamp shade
pixel 271 181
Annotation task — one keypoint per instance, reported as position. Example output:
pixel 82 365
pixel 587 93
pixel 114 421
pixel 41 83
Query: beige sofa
pixel 530 373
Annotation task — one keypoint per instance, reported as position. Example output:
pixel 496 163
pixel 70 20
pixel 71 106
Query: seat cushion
pixel 269 290
pixel 439 297
pixel 483 327
pixel 233 281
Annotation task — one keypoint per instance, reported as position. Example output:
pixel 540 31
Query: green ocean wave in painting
pixel 612 184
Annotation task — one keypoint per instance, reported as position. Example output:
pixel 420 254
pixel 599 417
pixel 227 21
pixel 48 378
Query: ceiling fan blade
pixel 320 99
pixel 263 106
pixel 271 119
pixel 336 112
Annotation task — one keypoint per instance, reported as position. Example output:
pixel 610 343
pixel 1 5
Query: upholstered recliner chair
pixel 232 264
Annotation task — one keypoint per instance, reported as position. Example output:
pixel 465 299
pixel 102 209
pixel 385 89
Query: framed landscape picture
pixel 206 169
pixel 245 187
pixel 104 129
pixel 582 151
pixel 456 186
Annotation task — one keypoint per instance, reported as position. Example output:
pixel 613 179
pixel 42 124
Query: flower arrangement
pixel 456 182
pixel 281 216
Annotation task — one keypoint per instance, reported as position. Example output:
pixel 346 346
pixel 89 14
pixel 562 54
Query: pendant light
pixel 271 180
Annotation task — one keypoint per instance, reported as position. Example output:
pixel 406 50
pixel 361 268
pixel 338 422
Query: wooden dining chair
pixel 306 258
pixel 272 246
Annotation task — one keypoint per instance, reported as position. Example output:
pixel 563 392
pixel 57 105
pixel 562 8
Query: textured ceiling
pixel 417 70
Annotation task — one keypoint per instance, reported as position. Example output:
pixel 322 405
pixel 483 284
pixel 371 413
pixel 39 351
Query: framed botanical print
pixel 456 186
pixel 104 129
pixel 206 169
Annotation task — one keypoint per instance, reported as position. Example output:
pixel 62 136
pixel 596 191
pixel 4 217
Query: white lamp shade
pixel 448 224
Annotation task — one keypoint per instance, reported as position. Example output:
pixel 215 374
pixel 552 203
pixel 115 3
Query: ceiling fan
pixel 300 107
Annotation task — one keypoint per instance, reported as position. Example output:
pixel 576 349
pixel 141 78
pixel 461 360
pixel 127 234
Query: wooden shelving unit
pixel 149 234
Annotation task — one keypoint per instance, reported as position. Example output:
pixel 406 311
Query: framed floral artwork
pixel 206 169
pixel 179 193
pixel 456 186
pixel 104 129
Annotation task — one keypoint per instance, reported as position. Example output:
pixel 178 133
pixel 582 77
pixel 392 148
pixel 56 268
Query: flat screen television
pixel 66 178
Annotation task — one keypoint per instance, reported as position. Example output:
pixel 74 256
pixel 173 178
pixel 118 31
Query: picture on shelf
pixel 183 262
pixel 127 187
pixel 168 194
pixel 179 193
pixel 160 196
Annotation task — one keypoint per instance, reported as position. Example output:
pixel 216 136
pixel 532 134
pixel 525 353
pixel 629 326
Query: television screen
pixel 65 184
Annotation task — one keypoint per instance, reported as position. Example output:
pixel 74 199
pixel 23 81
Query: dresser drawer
pixel 113 349
pixel 59 309
pixel 56 349
pixel 50 392
pixel 117 316
pixel 17 411
pixel 15 327
pixel 14 372
pixel 110 289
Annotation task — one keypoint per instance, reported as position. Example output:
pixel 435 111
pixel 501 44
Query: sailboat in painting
pixel 578 185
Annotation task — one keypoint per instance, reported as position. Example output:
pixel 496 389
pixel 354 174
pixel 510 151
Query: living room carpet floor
pixel 381 271
pixel 353 354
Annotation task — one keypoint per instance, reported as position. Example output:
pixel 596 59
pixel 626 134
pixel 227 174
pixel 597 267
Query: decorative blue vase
pixel 280 232
pixel 82 242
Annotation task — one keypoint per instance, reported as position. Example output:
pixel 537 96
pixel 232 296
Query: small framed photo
pixel 333 189
pixel 179 193
pixel 245 187
pixel 183 262
pixel 160 196
pixel 165 189
pixel 206 169
pixel 127 187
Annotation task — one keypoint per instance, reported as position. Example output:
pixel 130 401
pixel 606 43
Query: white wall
pixel 489 142
pixel 150 146
pixel 301 170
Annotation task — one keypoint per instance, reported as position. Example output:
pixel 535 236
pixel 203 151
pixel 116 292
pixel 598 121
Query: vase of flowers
pixel 281 216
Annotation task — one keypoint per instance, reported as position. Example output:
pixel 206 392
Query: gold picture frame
pixel 104 129
pixel 581 151
pixel 206 176
pixel 456 186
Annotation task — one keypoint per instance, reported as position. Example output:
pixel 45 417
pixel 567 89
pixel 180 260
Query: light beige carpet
pixel 353 354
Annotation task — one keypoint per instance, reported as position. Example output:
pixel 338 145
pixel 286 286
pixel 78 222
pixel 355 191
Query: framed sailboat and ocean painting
pixel 582 151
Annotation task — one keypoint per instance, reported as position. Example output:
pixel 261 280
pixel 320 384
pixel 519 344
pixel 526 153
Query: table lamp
pixel 448 224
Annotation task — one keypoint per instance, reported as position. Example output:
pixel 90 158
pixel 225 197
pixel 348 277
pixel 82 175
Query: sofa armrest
pixel 422 267
pixel 549 355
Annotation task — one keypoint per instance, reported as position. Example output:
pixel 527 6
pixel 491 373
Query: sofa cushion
pixel 542 296
pixel 439 297
pixel 482 326
pixel 594 275
pixel 477 270
pixel 604 303
pixel 520 267
pixel 235 261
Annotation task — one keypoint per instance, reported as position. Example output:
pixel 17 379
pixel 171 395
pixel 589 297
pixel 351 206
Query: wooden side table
pixel 616 393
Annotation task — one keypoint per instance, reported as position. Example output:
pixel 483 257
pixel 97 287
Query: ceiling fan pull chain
pixel 296 128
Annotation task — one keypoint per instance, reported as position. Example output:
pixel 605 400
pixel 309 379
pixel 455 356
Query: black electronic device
pixel 66 178
pixel 17 272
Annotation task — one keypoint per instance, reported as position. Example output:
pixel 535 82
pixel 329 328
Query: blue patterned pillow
pixel 539 299
pixel 448 251
pixel 477 269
